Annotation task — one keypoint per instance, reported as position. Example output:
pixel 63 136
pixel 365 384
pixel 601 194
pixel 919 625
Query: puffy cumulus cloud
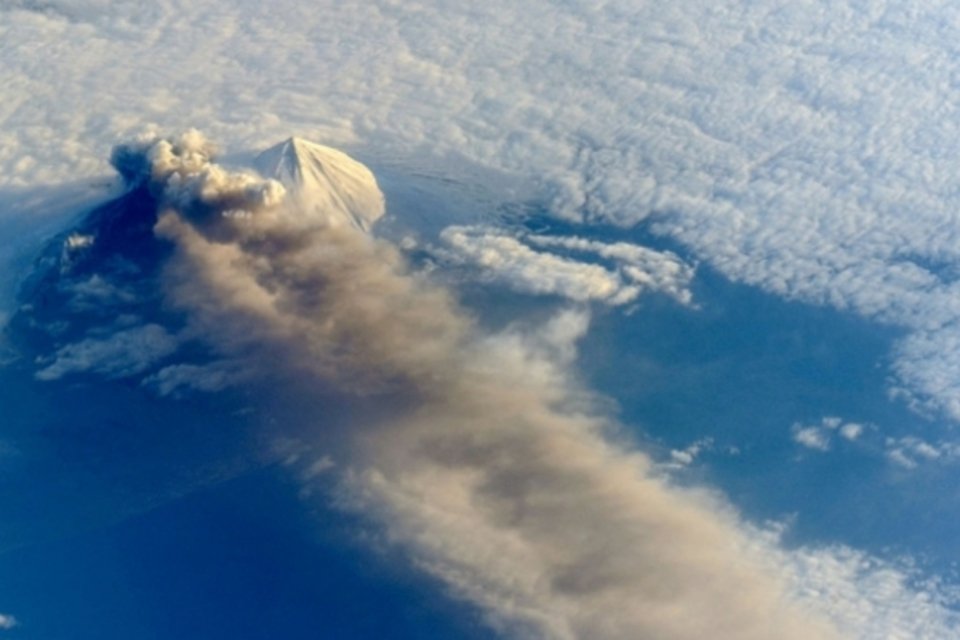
pixel 851 430
pixel 508 259
pixel 7 621
pixel 681 458
pixel 906 452
pixel 910 452
pixel 812 438
pixel 819 436
pixel 497 473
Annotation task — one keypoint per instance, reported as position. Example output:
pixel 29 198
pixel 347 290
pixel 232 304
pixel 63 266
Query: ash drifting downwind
pixel 494 471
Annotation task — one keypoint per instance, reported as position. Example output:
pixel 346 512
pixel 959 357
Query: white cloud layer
pixel 806 152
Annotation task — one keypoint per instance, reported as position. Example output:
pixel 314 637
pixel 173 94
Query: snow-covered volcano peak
pixel 325 182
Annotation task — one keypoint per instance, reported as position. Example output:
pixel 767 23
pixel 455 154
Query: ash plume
pixel 498 475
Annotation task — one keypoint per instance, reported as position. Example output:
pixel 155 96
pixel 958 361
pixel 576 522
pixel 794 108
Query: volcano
pixel 324 182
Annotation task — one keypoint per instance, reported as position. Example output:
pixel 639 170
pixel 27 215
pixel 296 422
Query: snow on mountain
pixel 325 182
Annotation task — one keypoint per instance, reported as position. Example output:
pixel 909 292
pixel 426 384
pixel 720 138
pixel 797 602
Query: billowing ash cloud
pixel 496 474
pixel 479 456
